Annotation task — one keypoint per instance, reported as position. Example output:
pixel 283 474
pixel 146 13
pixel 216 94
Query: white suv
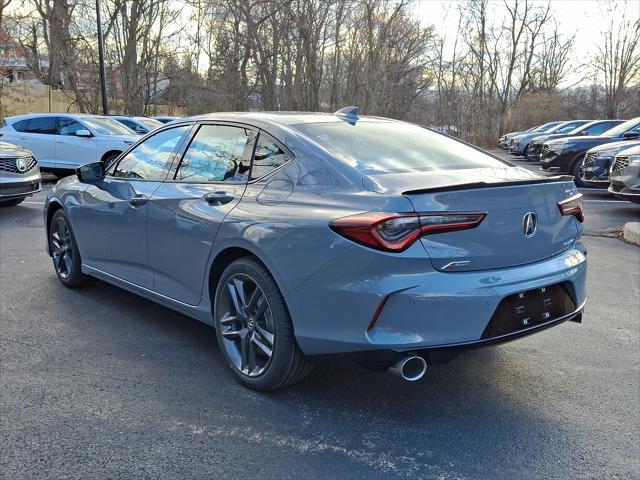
pixel 62 142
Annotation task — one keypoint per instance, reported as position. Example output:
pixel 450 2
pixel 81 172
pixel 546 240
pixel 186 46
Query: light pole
pixel 103 79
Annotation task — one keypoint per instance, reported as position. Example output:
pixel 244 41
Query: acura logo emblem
pixel 21 165
pixel 530 224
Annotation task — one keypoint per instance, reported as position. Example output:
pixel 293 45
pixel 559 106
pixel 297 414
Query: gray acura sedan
pixel 297 235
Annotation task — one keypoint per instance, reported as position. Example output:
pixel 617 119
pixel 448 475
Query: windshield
pixel 107 126
pixel 376 147
pixel 150 122
pixel 547 126
pixel 623 127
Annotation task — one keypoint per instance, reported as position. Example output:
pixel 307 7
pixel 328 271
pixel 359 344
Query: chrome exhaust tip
pixel 411 367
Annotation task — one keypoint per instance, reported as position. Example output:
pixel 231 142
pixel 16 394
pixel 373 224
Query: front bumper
pixel 556 161
pixel 596 169
pixel 625 183
pixel 421 308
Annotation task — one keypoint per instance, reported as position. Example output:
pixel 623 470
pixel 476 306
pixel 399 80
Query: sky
pixel 585 19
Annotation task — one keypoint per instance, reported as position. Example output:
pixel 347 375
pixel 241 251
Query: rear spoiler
pixel 475 185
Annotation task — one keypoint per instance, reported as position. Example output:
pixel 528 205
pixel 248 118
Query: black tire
pixel 287 364
pixel 525 152
pixel 109 159
pixel 576 171
pixel 11 203
pixel 70 276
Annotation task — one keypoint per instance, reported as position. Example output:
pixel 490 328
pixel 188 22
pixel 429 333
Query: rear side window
pixel 267 157
pixel 376 147
pixel 42 125
pixel 21 126
pixel 215 155
pixel 148 160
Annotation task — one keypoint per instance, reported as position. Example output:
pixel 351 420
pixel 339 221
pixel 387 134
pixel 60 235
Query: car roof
pixel 35 115
pixel 279 118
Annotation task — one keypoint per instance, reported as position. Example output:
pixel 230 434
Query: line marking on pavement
pixel 34 203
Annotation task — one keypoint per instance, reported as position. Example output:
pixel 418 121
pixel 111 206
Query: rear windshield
pixel 390 147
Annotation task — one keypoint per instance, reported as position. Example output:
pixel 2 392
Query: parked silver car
pixel 19 174
pixel 625 175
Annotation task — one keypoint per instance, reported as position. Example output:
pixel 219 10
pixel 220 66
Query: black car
pixel 565 155
pixel 596 127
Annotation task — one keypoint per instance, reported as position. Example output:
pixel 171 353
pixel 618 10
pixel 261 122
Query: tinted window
pixel 68 126
pixel 147 161
pixel 569 127
pixel 599 128
pixel 21 126
pixel 624 127
pixel 385 147
pixel 215 155
pixel 128 123
pixel 267 157
pixel 42 125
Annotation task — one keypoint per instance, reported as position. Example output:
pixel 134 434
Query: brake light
pixel 395 232
pixel 572 206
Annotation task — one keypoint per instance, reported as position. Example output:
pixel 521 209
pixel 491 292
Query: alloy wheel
pixel 61 248
pixel 246 325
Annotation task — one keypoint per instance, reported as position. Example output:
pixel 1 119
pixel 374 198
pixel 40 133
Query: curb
pixel 631 233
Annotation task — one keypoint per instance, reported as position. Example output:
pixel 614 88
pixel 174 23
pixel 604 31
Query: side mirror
pixel 584 132
pixel 630 135
pixel 91 172
pixel 83 133
pixel 140 130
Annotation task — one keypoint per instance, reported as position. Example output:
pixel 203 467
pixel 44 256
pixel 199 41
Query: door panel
pixel 114 213
pixel 71 150
pixel 185 213
pixel 115 230
pixel 182 227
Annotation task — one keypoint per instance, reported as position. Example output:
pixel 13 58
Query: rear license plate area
pixel 529 308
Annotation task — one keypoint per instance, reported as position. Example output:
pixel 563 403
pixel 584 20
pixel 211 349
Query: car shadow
pixel 485 412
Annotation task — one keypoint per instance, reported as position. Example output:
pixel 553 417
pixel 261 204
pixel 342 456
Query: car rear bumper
pixel 419 310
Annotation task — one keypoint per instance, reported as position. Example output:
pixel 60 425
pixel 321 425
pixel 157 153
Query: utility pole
pixel 103 79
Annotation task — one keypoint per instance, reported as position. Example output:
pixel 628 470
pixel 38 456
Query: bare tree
pixel 618 63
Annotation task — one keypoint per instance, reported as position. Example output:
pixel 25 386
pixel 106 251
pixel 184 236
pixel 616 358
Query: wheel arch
pixel 52 208
pixel 225 256
pixel 108 153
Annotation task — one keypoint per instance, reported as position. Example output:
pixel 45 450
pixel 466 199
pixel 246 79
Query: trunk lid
pixel 507 196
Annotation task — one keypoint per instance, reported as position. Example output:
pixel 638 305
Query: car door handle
pixel 138 201
pixel 218 198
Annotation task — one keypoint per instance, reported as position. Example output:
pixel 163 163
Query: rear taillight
pixel 395 232
pixel 572 206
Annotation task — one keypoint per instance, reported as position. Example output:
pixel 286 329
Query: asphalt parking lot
pixel 99 383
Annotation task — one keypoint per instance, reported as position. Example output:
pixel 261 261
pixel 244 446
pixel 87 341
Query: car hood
pixel 615 146
pixel 438 180
pixel 583 142
pixel 9 150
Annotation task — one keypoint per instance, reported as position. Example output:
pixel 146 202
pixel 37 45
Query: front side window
pixel 267 157
pixel 378 147
pixel 42 125
pixel 69 126
pixel 216 155
pixel 599 128
pixel 148 160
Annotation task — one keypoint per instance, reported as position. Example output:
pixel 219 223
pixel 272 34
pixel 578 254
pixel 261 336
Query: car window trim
pixel 247 153
pixel 168 163
pixel 288 153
